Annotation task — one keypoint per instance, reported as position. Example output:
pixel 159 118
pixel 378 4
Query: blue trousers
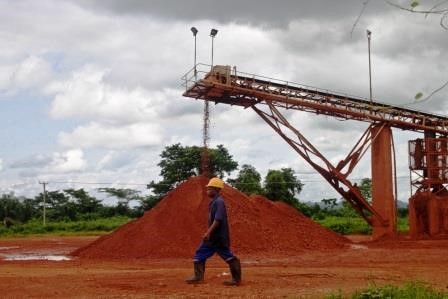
pixel 206 250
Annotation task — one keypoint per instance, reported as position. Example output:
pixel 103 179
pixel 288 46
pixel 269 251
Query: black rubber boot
pixel 235 269
pixel 199 270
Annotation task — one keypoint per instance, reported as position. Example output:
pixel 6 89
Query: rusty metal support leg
pixel 383 200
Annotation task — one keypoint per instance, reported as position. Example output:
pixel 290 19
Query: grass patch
pixel 68 228
pixel 346 225
pixel 355 225
pixel 411 290
pixel 403 224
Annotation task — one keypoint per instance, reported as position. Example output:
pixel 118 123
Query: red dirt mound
pixel 175 226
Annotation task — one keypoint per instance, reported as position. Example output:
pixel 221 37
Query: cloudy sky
pixel 90 90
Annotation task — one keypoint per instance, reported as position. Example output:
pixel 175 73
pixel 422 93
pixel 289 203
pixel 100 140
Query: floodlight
pixel 194 30
pixel 213 32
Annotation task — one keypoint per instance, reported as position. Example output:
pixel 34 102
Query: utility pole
pixel 369 34
pixel 44 184
pixel 5 208
pixel 213 33
pixel 195 32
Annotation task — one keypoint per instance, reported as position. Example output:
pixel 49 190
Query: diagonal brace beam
pixel 332 174
pixel 358 151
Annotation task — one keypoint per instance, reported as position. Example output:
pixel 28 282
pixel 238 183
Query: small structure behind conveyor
pixel 270 97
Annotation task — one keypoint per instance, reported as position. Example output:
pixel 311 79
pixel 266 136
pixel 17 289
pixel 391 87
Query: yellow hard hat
pixel 216 183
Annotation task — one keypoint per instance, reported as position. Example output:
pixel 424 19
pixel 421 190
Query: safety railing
pixel 195 74
pixel 269 84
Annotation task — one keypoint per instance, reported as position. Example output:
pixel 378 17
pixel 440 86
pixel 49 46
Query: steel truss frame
pixel 333 174
pixel 428 164
pixel 220 85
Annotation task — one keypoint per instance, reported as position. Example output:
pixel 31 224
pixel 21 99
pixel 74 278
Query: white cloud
pixel 69 161
pixel 32 72
pixel 1 164
pixel 118 76
pixel 112 137
pixel 114 160
pixel 106 160
pixel 263 14
pixel 34 161
pixel 87 95
pixel 5 77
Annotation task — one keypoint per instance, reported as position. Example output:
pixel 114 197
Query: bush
pixel 36 226
pixel 403 224
pixel 346 225
pixel 354 225
pixel 411 290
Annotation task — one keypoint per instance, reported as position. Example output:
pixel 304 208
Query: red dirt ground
pixel 283 254
pixel 309 274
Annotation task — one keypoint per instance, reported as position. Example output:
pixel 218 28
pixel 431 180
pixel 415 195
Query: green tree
pixel 181 162
pixel 10 208
pixel 14 209
pixel 330 203
pixel 86 205
pixel 221 162
pixel 248 180
pixel 17 209
pixel 124 196
pixel 330 207
pixel 60 207
pixel 347 210
pixel 147 203
pixel 366 189
pixel 282 185
pixel 30 209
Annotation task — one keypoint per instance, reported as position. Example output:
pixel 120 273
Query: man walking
pixel 216 238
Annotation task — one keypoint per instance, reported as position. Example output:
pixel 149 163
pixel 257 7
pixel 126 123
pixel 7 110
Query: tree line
pixel 177 164
pixel 67 205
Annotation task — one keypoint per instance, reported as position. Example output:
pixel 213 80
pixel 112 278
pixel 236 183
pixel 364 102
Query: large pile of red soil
pixel 175 226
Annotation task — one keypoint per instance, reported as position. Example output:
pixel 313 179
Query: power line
pixel 401 178
pixel 145 184
pixel 44 184
pixel 97 183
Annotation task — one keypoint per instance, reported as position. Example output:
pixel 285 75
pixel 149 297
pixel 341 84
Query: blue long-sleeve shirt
pixel 217 211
